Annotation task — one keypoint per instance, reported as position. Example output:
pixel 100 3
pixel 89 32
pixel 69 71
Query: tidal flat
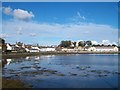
pixel 64 71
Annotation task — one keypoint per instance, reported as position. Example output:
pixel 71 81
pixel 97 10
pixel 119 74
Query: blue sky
pixel 49 23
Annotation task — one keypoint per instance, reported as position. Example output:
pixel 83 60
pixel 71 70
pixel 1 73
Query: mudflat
pixel 13 83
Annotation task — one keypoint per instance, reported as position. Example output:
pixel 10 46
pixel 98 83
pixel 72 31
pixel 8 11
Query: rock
pixel 116 72
pixel 93 70
pixel 73 74
pixel 60 74
pixel 88 67
pixel 82 68
pixel 25 67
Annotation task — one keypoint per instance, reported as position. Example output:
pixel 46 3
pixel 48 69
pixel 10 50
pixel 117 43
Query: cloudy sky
pixel 49 23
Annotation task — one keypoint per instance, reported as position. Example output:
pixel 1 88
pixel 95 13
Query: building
pixel 47 49
pixel 14 48
pixel 35 47
pixel 32 50
pixel 103 49
pixel 68 50
pixel 9 47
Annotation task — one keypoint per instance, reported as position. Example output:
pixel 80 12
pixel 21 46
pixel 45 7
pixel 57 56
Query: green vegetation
pixel 2 41
pixel 2 44
pixel 65 44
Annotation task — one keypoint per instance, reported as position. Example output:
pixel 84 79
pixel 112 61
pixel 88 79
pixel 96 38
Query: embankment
pixel 24 54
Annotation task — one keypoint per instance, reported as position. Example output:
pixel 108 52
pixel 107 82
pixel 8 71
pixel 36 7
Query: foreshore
pixel 24 54
pixel 8 83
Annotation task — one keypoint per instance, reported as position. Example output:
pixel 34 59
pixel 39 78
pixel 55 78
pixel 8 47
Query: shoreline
pixel 8 83
pixel 24 54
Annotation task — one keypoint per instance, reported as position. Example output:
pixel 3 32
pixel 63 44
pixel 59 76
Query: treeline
pixel 3 47
pixel 69 43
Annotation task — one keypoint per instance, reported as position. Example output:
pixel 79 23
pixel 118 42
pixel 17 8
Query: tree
pixel 82 43
pixel 65 43
pixel 108 45
pixel 4 47
pixel 114 45
pixel 74 43
pixel 19 43
pixel 102 45
pixel 88 43
pixel 2 41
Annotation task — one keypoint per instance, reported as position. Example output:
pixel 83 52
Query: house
pixel 35 47
pixel 72 45
pixel 68 49
pixel 91 49
pixel 64 49
pixel 15 48
pixel 9 47
pixel 47 49
pixel 103 49
pixel 32 50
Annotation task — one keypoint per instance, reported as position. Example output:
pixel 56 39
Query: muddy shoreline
pixel 16 55
pixel 8 83
pixel 41 72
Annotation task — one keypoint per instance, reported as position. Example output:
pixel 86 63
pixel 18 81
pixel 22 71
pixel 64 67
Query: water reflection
pixel 8 61
pixel 27 58
pixel 83 69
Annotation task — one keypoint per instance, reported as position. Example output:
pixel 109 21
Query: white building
pixel 0 47
pixel 35 47
pixel 46 49
pixel 68 50
pixel 103 49
pixel 9 47
pixel 32 50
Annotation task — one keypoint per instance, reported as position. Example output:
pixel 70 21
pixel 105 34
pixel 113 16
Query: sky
pixel 48 23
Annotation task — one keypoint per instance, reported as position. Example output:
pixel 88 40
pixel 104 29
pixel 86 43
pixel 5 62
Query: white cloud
pixel 106 42
pixel 79 16
pixel 96 32
pixel 95 43
pixel 7 10
pixel 18 13
pixel 114 43
pixel 22 14
pixel 19 30
pixel 3 35
pixel 33 34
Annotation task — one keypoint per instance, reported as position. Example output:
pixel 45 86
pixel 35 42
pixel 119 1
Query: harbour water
pixel 65 71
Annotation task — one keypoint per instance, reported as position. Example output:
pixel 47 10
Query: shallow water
pixel 65 71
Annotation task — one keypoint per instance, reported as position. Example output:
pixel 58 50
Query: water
pixel 65 71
